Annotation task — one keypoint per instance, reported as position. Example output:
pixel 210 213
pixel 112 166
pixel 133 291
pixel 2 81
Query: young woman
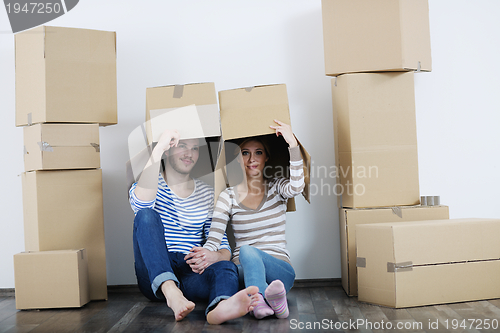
pixel 256 209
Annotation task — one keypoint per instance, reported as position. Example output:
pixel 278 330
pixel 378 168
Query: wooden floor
pixel 313 308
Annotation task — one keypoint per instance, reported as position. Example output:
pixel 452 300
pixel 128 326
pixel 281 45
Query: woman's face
pixel 254 158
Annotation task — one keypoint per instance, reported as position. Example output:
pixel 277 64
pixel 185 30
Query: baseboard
pixel 132 288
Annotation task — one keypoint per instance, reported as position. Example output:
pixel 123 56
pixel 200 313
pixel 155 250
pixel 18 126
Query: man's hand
pixel 200 258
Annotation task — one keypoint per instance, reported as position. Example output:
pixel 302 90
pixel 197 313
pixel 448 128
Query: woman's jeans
pixel 260 269
pixel 154 264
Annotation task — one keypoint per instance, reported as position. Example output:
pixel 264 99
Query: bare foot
pixel 176 300
pixel 234 307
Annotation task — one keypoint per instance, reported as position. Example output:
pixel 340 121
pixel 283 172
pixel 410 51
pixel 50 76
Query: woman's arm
pixel 220 218
pixel 288 188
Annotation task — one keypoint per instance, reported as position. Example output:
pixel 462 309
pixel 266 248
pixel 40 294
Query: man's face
pixel 184 157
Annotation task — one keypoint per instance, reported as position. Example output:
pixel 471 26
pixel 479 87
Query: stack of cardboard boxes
pixel 65 89
pixel 372 48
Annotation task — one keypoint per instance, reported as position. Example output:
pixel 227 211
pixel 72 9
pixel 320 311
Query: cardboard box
pixel 51 279
pixel 376 140
pixel 350 218
pixel 64 210
pixel 162 100
pixel 248 112
pixel 376 35
pixel 65 75
pixel 61 146
pixel 428 262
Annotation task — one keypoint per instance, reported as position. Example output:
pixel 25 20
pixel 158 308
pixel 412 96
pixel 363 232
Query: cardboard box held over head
pixel 61 146
pixel 65 75
pixel 51 279
pixel 248 112
pixel 376 35
pixel 375 139
pixel 428 262
pixel 63 210
pixel 349 218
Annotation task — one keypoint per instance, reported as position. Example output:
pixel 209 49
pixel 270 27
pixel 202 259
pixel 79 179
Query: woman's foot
pixel 234 307
pixel 276 297
pixel 261 309
pixel 176 300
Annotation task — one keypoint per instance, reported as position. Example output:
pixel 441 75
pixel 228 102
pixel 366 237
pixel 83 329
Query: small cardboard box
pixel 51 279
pixel 61 146
pixel 248 112
pixel 65 75
pixel 428 262
pixel 376 140
pixel 64 210
pixel 162 100
pixel 349 218
pixel 376 35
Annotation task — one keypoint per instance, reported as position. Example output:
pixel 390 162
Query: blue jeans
pixel 259 269
pixel 154 264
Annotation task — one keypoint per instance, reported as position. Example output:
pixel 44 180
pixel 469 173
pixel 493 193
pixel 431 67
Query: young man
pixel 173 216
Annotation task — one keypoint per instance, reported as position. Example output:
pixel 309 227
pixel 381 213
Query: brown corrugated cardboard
pixel 248 112
pixel 65 75
pixel 51 279
pixel 162 100
pixel 61 146
pixel 376 35
pixel 428 262
pixel 349 218
pixel 375 139
pixel 64 210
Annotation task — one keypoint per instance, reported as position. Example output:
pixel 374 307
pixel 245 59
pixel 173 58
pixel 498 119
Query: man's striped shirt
pixel 264 227
pixel 186 221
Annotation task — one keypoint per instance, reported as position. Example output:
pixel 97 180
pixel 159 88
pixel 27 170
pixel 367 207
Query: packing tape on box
pixel 97 147
pixel 405 266
pixel 44 146
pixel 360 262
pixel 248 89
pixel 430 200
pixel 178 90
pixel 25 151
pixel 30 119
pixel 335 83
pixel 419 67
pixel 397 211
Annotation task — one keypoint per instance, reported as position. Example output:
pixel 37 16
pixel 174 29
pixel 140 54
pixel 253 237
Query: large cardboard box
pixel 51 279
pixel 376 35
pixel 350 218
pixel 375 139
pixel 61 146
pixel 162 100
pixel 65 75
pixel 64 210
pixel 248 112
pixel 428 262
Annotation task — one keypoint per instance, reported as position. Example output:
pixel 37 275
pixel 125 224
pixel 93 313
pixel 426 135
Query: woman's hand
pixel 200 258
pixel 285 131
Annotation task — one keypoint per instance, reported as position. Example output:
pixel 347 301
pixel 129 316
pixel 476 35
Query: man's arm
pixel 147 186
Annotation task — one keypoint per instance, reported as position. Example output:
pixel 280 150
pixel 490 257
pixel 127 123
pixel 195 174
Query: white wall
pixel 237 44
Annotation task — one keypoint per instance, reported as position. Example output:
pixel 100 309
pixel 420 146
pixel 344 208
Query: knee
pixel 224 265
pixel 146 217
pixel 247 250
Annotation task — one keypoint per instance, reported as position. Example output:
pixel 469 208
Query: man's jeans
pixel 154 264
pixel 260 269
